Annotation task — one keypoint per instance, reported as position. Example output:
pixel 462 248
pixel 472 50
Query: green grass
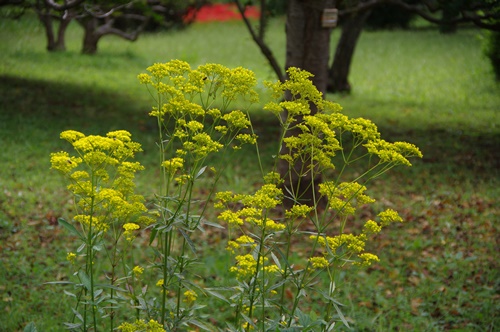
pixel 438 272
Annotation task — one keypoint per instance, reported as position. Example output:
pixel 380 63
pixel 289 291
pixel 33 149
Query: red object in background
pixel 221 12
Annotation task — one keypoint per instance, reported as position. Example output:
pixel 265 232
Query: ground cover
pixel 437 272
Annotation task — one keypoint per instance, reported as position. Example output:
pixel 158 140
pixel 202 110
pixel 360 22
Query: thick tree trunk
pixel 339 71
pixel 96 28
pixel 307 42
pixel 307 47
pixel 90 37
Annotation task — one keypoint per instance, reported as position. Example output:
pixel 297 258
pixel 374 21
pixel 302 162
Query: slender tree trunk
pixel 61 32
pixel 46 20
pixel 339 71
pixel 55 42
pixel 308 48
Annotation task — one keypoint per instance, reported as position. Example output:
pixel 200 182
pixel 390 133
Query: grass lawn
pixel 439 271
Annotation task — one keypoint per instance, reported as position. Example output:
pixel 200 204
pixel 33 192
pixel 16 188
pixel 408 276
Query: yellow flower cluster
pixel 201 145
pixel 371 227
pixel 102 178
pixel 179 83
pixel 173 165
pixel 63 162
pixel 138 271
pixel 319 262
pixel 344 196
pixel 71 256
pixel 396 153
pixel 367 259
pixel 348 244
pixel 129 231
pixel 189 296
pixel 246 266
pixel 141 325
pixel 242 240
pixel 96 222
pixel 351 241
pixel 388 216
pixel 297 211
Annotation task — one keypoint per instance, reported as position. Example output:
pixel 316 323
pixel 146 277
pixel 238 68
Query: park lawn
pixel 439 271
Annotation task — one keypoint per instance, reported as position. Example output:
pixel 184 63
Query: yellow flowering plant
pixel 325 142
pixel 272 282
pixel 100 175
pixel 194 124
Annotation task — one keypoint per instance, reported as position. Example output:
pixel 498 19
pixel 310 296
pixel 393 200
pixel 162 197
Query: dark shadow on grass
pixel 31 106
pixel 447 153
pixel 60 106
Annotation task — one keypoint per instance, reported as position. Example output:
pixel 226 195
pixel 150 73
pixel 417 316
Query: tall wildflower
pixel 101 178
pixel 264 248
pixel 194 124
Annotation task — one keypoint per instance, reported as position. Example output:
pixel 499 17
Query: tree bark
pixel 258 36
pixel 307 42
pixel 90 38
pixel 95 28
pixel 307 48
pixel 55 42
pixel 339 71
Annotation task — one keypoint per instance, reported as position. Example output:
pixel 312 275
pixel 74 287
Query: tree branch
pixel 264 48
pixel 426 8
pixel 97 12
pixel 65 6
pixel 108 29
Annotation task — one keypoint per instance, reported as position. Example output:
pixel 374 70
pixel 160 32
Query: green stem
pixel 257 268
pixel 166 255
pixel 90 263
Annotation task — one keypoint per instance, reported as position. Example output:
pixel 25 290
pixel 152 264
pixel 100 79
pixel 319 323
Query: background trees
pixel 308 41
pixel 353 15
pixel 123 18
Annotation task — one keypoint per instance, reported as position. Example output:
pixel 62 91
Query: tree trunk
pixel 308 48
pixel 339 71
pixel 54 43
pixel 61 33
pixel 90 37
pixel 47 16
pixel 307 42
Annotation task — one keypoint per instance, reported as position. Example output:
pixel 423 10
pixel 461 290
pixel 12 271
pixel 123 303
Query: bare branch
pixel 65 6
pixel 97 11
pixel 108 29
pixel 264 48
pixel 426 8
